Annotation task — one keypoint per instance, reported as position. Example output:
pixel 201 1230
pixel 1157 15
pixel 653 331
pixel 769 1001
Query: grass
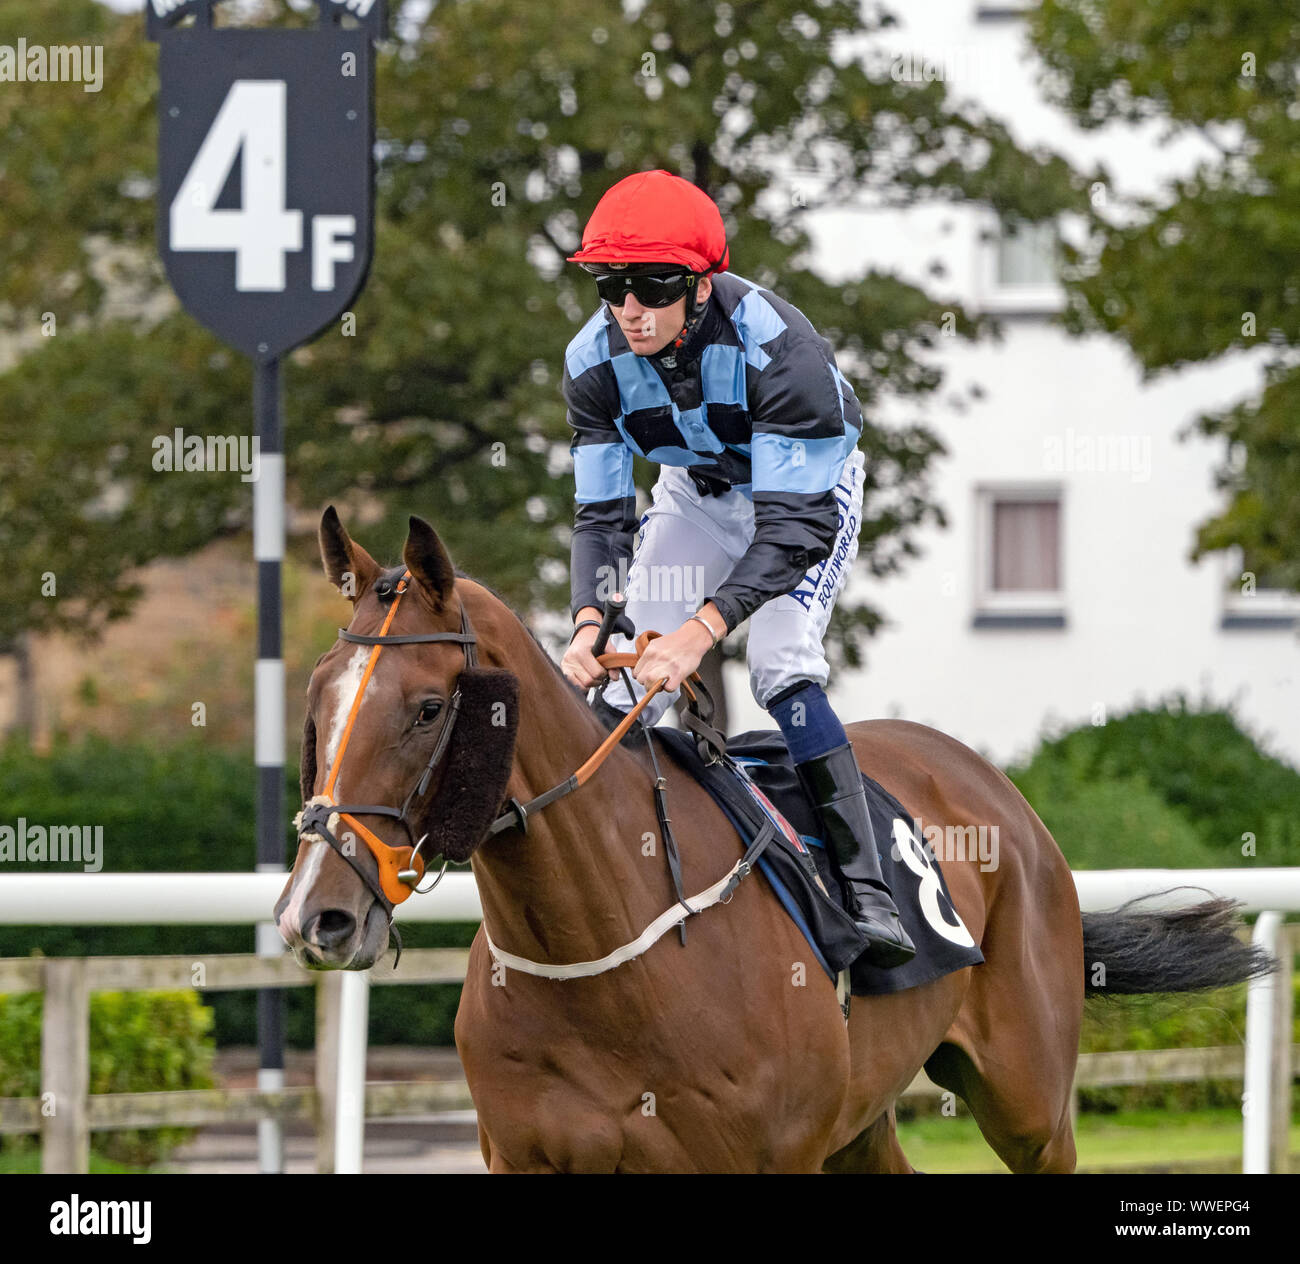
pixel 1140 1141
pixel 1134 1141
pixel 28 1163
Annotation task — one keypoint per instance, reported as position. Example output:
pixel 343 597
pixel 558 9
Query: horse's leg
pixel 1013 1042
pixel 1029 1130
pixel 1012 1051
pixel 889 1038
pixel 875 1149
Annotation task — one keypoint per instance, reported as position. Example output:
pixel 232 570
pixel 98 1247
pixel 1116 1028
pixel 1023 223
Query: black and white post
pixel 268 733
pixel 266 228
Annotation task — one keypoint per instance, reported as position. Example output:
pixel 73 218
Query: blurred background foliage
pixel 139 1042
pixel 1175 783
pixel 1211 266
pixel 499 126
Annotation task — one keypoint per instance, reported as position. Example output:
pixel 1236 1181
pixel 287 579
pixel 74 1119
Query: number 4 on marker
pixel 252 123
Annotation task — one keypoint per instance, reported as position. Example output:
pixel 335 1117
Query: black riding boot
pixel 834 784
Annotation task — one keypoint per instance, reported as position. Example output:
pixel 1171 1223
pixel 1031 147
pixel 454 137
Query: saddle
pixel 751 777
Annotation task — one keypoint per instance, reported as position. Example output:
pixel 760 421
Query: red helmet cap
pixel 656 217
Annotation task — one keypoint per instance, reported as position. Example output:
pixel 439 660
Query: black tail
pixel 1170 950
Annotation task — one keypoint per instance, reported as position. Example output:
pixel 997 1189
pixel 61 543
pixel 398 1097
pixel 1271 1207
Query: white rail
pixel 1257 889
pixel 350 1086
pixel 241 899
pixel 157 899
pixel 1267 1087
pixel 189 899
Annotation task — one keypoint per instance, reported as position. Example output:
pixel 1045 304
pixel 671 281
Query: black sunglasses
pixel 654 289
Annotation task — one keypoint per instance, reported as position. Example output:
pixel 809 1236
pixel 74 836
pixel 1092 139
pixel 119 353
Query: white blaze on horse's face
pixel 300 882
pixel 342 693
pixel 345 694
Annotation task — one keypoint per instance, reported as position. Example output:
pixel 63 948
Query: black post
pixel 268 551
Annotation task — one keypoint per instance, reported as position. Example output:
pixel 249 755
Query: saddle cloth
pixel 757 780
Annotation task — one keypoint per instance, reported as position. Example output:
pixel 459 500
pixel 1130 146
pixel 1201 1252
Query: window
pixel 1254 599
pixel 1021 270
pixel 1027 256
pixel 1009 12
pixel 1019 557
pixel 1026 546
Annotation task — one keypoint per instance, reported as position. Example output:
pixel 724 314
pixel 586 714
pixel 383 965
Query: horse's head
pixel 406 752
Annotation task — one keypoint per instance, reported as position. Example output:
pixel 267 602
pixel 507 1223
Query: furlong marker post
pixel 284 121
pixel 268 739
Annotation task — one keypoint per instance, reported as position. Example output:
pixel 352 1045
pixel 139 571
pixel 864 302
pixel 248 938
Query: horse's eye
pixel 429 712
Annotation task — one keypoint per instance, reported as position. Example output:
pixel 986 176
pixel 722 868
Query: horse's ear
pixel 428 562
pixel 347 565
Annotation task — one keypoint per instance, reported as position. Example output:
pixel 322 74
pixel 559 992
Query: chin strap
pixel 693 318
pixel 691 321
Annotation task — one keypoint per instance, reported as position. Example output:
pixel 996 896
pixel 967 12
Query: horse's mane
pixel 546 654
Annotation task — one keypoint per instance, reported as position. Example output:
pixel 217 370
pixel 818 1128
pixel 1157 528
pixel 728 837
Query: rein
pixel 517 816
pixel 400 868
pixel 719 893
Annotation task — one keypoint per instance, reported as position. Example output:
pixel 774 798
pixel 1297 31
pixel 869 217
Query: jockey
pixel 758 505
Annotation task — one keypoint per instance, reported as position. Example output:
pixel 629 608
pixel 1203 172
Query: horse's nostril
pixel 331 928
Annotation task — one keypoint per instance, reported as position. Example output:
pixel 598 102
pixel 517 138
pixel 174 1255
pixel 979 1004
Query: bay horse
pixel 729 1053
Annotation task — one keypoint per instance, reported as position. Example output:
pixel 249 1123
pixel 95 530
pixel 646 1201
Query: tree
pixel 80 505
pixel 501 124
pixel 1210 265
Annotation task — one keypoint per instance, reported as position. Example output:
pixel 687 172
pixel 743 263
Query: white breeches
pixel 686 547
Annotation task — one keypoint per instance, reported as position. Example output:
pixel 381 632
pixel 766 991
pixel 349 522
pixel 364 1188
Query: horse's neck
pixel 578 884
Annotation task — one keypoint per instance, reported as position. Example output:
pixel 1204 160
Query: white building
pixel 1061 591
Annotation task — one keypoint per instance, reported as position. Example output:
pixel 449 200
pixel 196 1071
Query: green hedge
pixel 190 806
pixel 1169 1022
pixel 1115 824
pixel 1210 1020
pixel 1216 783
pixel 139 1042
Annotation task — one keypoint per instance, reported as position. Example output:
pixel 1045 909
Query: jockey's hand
pixel 675 656
pixel 579 664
